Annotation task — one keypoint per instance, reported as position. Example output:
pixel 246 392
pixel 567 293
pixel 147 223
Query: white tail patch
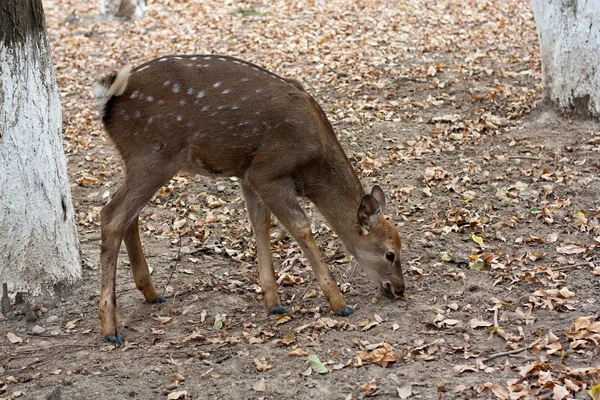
pixel 105 90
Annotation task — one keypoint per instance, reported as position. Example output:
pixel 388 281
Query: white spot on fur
pixel 150 119
pixel 190 64
pixel 235 107
pixel 182 102
pixel 176 88
pixel 163 59
pixel 207 58
pixel 161 102
pixel 226 91
pixel 178 58
pixel 222 59
pixel 216 85
pixel 194 58
pixel 167 83
pixel 245 98
pixel 149 99
pixel 244 79
pixel 200 94
pixel 190 91
pixel 260 90
pixel 143 68
pixel 137 114
pixel 135 94
pixel 205 108
pixel 179 118
pixel 223 122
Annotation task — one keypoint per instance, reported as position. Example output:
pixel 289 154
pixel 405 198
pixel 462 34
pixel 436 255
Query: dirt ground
pixel 493 193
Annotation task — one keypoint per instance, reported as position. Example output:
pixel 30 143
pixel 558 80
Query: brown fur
pixel 216 115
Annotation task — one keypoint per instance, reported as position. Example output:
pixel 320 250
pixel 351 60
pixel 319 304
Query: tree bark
pixel 569 33
pixel 38 237
pixel 129 9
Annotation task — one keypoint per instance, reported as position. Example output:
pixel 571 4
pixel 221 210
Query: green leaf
pixel 479 265
pixel 477 239
pixel 218 323
pixel 595 392
pixel 534 210
pixel 316 364
pixel 446 255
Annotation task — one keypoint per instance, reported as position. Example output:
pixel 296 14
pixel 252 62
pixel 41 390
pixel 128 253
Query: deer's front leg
pixel 280 198
pixel 305 238
pixel 260 217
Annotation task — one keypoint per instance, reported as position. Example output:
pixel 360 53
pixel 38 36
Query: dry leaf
pixel 260 385
pixel 369 388
pixel 13 338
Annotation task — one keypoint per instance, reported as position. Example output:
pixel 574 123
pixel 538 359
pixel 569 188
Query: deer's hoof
pixel 115 339
pixel 158 299
pixel 278 310
pixel 344 312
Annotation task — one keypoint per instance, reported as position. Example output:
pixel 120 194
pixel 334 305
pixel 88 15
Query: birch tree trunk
pixel 130 9
pixel 569 33
pixel 38 238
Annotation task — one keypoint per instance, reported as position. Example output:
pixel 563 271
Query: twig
pixel 582 264
pixel 506 353
pixel 524 358
pixel 173 269
pixel 439 332
pixel 496 318
pixel 523 158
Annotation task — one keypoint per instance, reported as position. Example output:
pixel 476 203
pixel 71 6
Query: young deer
pixel 220 116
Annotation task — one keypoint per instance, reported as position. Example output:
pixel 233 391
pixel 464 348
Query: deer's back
pixel 216 115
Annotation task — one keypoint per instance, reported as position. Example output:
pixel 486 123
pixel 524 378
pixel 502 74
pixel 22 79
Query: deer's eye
pixel 389 256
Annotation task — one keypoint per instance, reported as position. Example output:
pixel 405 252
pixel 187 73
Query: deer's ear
pixel 368 214
pixel 377 192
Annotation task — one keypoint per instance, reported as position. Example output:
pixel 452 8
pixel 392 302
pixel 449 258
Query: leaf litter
pixel 495 199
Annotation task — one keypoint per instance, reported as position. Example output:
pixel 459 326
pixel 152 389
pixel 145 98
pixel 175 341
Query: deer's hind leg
pixel 139 266
pixel 260 217
pixel 119 221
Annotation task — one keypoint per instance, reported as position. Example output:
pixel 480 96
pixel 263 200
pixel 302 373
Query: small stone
pixel 38 330
pixel 52 319
pixel 220 188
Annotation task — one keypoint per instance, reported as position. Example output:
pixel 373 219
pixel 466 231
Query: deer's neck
pixel 338 198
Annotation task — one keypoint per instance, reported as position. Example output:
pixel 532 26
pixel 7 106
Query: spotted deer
pixel 220 116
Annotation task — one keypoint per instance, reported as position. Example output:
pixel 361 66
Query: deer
pixel 217 116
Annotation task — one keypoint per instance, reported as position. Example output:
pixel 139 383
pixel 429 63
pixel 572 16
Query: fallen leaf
pixel 298 353
pixel 404 391
pixel 177 395
pixel 316 364
pixel 262 365
pixel 260 385
pixel 14 339
pixel 369 388
pixel 595 392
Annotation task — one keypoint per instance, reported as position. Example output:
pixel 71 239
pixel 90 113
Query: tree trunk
pixel 129 9
pixel 38 237
pixel 569 33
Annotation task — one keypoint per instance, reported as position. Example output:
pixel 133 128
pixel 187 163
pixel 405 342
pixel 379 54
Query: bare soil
pixel 524 180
